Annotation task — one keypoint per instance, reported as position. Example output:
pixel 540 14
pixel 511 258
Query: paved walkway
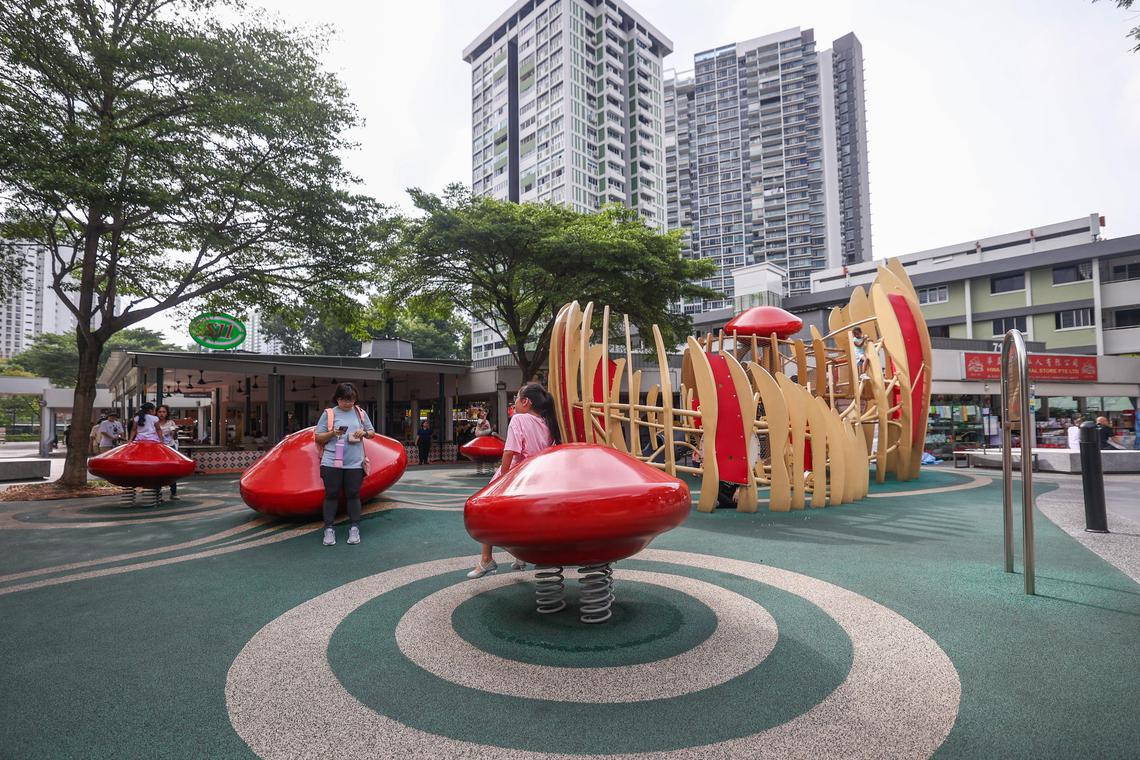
pixel 884 628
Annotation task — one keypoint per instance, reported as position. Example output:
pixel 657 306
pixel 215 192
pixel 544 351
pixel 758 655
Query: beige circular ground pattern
pixel 899 700
pixel 745 634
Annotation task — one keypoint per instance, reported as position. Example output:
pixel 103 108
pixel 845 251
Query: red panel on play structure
pixel 601 388
pixel 141 464
pixel 913 345
pixel 731 441
pixel 485 448
pixel 762 321
pixel 577 504
pixel 287 481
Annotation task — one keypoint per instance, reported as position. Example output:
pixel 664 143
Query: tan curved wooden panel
pixel 556 363
pixel 819 352
pixel 746 498
pixel 797 425
pixel 822 492
pixel 882 414
pixel 859 308
pixel 706 392
pixel 776 415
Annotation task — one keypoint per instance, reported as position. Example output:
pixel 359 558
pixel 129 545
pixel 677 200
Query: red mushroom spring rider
pixel 287 481
pixel 577 505
pixel 141 464
pixel 483 451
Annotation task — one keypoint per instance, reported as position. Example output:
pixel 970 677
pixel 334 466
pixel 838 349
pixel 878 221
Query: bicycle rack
pixel 1016 412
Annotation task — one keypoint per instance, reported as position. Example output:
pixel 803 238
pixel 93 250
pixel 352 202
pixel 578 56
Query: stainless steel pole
pixel 1006 455
pixel 1028 443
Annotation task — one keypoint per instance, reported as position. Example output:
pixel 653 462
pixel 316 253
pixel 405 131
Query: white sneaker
pixel 481 569
pixel 518 564
pixel 354 535
pixel 330 537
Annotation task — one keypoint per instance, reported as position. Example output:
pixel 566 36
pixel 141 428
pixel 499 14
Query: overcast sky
pixel 984 116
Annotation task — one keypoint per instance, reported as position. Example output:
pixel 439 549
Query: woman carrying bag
pixel 340 433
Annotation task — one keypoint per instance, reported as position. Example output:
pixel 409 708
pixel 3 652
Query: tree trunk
pixel 79 436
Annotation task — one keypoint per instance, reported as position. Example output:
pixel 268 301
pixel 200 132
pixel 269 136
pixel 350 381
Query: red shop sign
pixel 1063 367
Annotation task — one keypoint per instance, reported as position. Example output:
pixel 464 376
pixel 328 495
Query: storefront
pixel 965 405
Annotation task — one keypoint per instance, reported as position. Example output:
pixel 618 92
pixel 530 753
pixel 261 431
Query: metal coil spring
pixel 127 497
pixel 154 498
pixel 482 467
pixel 550 589
pixel 597 592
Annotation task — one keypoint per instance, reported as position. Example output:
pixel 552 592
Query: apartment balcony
pixel 1122 340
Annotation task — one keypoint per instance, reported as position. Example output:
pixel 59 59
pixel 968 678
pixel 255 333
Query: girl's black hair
pixel 543 403
pixel 160 407
pixel 344 390
pixel 143 410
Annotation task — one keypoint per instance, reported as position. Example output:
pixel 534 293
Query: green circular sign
pixel 216 330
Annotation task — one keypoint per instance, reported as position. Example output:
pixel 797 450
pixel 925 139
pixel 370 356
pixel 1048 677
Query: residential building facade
pixel 567 107
pixel 33 307
pixel 767 158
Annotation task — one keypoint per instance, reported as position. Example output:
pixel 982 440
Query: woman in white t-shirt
pixel 168 431
pixel 144 427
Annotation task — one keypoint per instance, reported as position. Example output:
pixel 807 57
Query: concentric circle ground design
pixel 649 623
pixel 899 700
pixel 744 636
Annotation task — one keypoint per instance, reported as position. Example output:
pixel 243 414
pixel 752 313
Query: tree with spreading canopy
pixel 1134 32
pixel 512 266
pixel 170 153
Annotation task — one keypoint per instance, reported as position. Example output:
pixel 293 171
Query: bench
pixel 983 455
pixel 24 469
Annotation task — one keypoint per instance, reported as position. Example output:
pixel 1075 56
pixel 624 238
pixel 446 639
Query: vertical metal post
pixel 1013 347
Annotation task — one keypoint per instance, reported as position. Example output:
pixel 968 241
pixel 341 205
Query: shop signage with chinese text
pixel 1059 367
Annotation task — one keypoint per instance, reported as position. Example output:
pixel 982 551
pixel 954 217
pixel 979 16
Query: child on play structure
pixel 533 429
pixel 859 342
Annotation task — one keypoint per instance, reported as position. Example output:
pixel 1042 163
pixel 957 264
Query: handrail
pixel 1013 343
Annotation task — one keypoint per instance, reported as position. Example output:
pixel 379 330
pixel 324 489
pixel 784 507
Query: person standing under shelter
pixel 340 433
pixel 110 432
pixel 423 441
pixel 168 430
pixel 1074 433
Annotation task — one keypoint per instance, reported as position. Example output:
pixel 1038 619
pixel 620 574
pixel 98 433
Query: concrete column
pixel 381 421
pixel 276 412
pixel 449 416
pixel 159 376
pixel 501 418
pixel 1098 317
pixel 441 411
pixel 47 428
pixel 1028 302
pixel 969 310
pixel 201 421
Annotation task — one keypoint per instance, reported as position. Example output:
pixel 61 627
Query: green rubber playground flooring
pixel 132 661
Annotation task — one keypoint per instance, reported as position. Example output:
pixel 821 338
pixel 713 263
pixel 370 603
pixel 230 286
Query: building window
pixel 939 294
pixel 1063 275
pixel 1007 283
pixel 1124 318
pixel 1002 326
pixel 939 331
pixel 1073 318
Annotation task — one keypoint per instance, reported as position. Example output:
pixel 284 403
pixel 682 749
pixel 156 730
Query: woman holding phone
pixel 342 458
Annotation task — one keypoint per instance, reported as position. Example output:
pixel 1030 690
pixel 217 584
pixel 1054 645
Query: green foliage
pixel 172 152
pixel 1134 32
pixel 512 266
pixel 19 409
pixel 9 369
pixel 54 355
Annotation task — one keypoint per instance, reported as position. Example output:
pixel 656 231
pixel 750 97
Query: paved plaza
pixel 884 628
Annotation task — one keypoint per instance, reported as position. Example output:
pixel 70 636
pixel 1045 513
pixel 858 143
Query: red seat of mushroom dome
pixel 577 504
pixel 762 321
pixel 141 464
pixel 485 448
pixel 287 481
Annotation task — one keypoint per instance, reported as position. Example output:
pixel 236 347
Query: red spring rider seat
pixel 762 321
pixel 141 464
pixel 483 451
pixel 287 481
pixel 577 505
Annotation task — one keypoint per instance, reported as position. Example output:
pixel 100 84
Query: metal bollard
pixel 1092 479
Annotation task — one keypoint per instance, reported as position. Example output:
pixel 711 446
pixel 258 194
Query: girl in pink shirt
pixel 532 430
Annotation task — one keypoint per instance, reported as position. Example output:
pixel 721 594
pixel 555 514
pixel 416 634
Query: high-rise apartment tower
pixel 567 106
pixel 767 154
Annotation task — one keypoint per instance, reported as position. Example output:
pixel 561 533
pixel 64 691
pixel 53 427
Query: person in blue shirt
pixel 342 459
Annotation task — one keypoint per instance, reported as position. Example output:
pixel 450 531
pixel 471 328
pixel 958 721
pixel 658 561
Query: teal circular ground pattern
pixel 810 660
pixel 649 623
